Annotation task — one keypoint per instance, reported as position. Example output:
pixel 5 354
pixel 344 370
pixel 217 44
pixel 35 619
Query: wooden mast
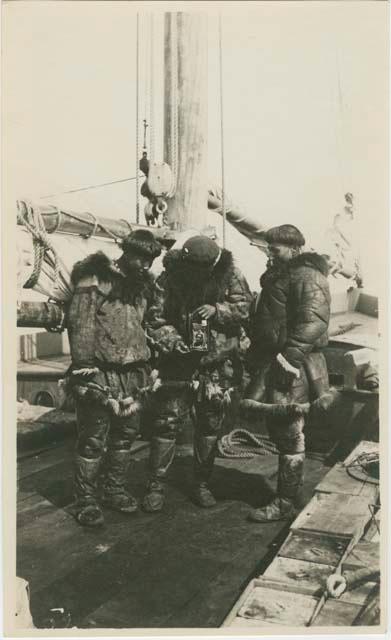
pixel 188 32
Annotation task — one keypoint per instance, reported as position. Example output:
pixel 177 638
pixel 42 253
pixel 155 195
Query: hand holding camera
pixel 206 311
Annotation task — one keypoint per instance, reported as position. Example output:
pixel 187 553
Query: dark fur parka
pixel 99 265
pixel 292 312
pixel 106 314
pixel 182 290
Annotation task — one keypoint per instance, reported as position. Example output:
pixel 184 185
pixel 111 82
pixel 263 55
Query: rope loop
pixel 241 443
pixel 42 245
pixel 95 226
pixel 127 224
pixel 58 219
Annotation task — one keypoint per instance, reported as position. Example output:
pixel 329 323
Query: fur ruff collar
pixel 307 259
pixel 105 270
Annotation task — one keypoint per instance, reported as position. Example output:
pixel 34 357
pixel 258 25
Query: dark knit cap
pixel 285 234
pixel 143 242
pixel 200 250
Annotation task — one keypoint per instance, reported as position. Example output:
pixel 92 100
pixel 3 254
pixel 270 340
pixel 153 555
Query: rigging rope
pixel 137 120
pixel 93 186
pixel 146 76
pixel 174 102
pixel 41 243
pixel 222 133
pixel 151 96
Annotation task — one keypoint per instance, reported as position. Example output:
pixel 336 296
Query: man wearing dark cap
pixel 289 327
pixel 204 301
pixel 109 367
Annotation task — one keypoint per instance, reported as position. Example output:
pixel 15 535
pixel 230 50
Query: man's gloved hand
pixel 336 585
pixel 206 311
pixel 181 347
pixel 284 373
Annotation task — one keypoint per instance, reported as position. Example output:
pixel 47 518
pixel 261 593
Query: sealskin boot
pixel 204 456
pixel 87 510
pixel 114 494
pixel 161 456
pixel 290 482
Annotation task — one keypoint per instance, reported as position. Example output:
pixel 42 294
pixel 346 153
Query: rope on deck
pixel 241 443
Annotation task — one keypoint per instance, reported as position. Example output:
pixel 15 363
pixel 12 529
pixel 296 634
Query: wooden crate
pixel 290 588
pixel 333 514
pixel 338 480
pixel 313 547
pixel 267 603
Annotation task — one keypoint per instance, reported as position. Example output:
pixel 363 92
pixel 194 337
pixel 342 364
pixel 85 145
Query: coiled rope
pixel 42 245
pixel 241 443
pixel 365 468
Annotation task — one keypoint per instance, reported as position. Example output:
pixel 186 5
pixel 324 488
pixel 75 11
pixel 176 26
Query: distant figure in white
pixel 342 244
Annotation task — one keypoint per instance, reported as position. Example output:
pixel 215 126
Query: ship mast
pixel 186 117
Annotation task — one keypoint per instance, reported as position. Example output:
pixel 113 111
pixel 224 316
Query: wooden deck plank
pixel 339 481
pixel 189 553
pixel 32 508
pixel 45 460
pixel 365 446
pixel 365 554
pixel 141 601
pixel 199 558
pixel 279 607
pixel 337 614
pixel 300 573
pixel 313 547
pixel 209 606
pixel 328 513
pixel 358 595
pixel 67 545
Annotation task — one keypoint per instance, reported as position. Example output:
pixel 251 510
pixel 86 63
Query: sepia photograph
pixel 195 259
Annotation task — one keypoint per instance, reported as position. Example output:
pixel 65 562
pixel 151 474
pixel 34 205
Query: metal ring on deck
pixel 161 207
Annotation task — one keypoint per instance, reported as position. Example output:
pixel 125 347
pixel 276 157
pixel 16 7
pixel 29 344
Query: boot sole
pixel 290 516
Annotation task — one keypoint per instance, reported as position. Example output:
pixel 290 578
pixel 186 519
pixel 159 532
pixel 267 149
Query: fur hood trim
pixel 97 264
pixel 102 267
pixel 310 259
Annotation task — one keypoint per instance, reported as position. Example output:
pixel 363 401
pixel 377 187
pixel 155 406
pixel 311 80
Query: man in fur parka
pixel 288 328
pixel 204 299
pixel 110 357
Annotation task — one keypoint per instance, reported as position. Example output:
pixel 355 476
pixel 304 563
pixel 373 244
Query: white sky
pixel 305 101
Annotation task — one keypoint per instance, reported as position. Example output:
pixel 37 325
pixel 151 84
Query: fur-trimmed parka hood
pixel 221 273
pixel 310 259
pixel 307 259
pixel 99 265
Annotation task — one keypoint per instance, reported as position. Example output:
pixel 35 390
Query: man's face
pixel 136 264
pixel 280 253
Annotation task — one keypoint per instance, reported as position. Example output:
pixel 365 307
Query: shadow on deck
pixel 182 568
